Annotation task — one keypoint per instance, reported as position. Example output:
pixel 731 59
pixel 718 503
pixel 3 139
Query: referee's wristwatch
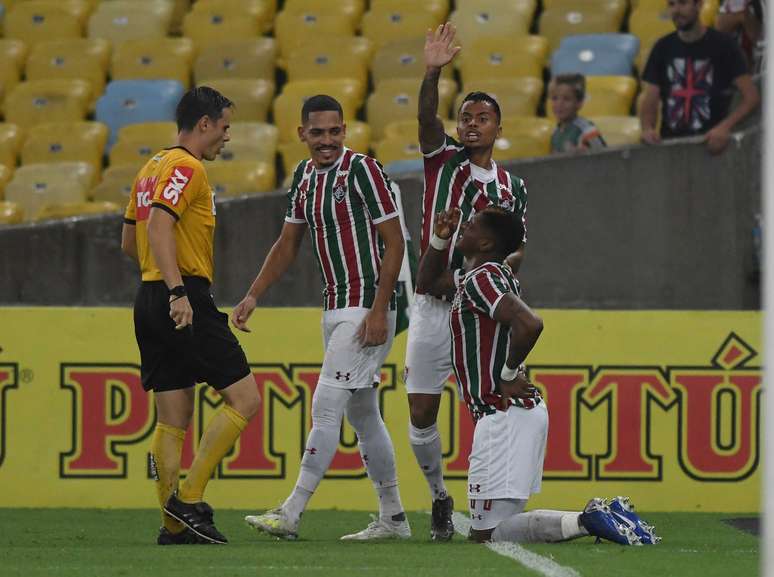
pixel 177 292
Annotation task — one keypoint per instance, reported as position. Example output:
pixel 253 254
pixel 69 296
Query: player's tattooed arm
pixel 438 52
pixel 433 277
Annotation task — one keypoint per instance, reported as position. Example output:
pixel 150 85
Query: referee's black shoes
pixel 441 525
pixel 196 516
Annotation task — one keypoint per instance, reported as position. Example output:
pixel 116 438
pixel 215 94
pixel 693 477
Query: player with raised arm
pixel 458 174
pixel 345 201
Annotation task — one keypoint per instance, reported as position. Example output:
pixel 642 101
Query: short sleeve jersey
pixel 449 183
pixel 578 133
pixel 175 181
pixel 695 81
pixel 342 206
pixel 479 342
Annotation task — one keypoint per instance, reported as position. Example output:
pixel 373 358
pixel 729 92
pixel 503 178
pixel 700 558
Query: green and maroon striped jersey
pixel 449 183
pixel 342 205
pixel 480 343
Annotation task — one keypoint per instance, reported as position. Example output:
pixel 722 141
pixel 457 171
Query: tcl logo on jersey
pixel 144 196
pixel 181 176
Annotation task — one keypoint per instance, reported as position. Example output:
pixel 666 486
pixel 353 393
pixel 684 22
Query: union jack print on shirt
pixel 688 103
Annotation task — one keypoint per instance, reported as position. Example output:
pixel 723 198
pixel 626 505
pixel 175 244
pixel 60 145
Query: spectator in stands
pixel 573 133
pixel 691 71
pixel 744 19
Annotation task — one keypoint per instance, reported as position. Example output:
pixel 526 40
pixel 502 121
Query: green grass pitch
pixel 81 543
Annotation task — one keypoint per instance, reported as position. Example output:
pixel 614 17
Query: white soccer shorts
pixel 428 349
pixel 506 461
pixel 347 364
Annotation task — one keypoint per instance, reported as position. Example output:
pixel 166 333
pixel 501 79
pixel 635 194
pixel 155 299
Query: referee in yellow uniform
pixel 183 339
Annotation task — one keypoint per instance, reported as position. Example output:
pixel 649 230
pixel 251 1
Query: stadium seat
pixel 55 100
pixel 287 106
pixel 649 25
pixel 358 139
pixel 5 176
pixel 229 179
pixel 516 96
pixel 116 184
pixel 251 141
pixel 402 59
pixel 53 211
pixel 9 77
pixel 132 101
pixel 438 8
pixel 36 185
pixel 708 13
pixel 484 18
pixel 251 97
pixel 599 43
pixel 606 96
pixel 580 17
pixel 312 62
pixel 408 129
pixel 395 148
pixel 137 143
pixel 207 27
pixel 618 130
pixel 349 9
pixel 122 20
pixel 523 137
pixel 154 58
pixel 590 62
pixel 41 21
pixel 11 213
pixel 397 100
pixel 66 142
pixel 85 58
pixel 292 28
pixel 253 58
pixel 503 57
pixel 260 13
pixel 13 51
pixel 10 144
pixel 385 24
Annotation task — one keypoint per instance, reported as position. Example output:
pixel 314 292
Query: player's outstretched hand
pixel 373 329
pixel 242 312
pixel 181 312
pixel 438 46
pixel 446 223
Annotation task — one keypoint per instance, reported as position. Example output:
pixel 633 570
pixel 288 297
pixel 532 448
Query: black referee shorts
pixel 173 359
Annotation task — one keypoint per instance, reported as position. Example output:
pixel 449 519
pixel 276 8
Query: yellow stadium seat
pixel 137 143
pixel 11 213
pixel 9 77
pixel 516 96
pixel 606 96
pixel 438 8
pixel 252 97
pixel 358 139
pixel 116 184
pixel 409 129
pixel 349 9
pixel 85 58
pixel 229 179
pixel 206 29
pixel 618 130
pixel 251 141
pixel 36 185
pixel 329 63
pixel 484 18
pixel 293 28
pixel 398 100
pixel 523 138
pixel 122 20
pixel 287 106
pixel 709 9
pixel 580 17
pixel 10 144
pixel 402 59
pixel 395 148
pixel 56 100
pixel 54 211
pixel 383 25
pixel 66 142
pixel 5 176
pixel 41 21
pixel 501 57
pixel 15 51
pixel 154 58
pixel 260 13
pixel 253 58
pixel 649 25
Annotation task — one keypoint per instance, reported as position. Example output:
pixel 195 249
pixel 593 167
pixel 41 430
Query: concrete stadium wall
pixel 666 227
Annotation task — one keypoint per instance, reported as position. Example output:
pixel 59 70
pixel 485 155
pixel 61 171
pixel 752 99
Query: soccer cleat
pixel 623 509
pixel 274 522
pixel 197 517
pixel 441 524
pixel 600 522
pixel 184 537
pixel 382 529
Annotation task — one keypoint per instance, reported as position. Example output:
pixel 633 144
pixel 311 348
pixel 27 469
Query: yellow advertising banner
pixel 662 406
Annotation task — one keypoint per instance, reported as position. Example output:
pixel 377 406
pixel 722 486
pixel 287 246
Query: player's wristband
pixel 508 374
pixel 439 243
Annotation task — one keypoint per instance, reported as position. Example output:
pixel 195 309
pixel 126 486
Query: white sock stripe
pixel 542 565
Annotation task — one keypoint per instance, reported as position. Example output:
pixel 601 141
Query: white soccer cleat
pixel 274 522
pixel 381 529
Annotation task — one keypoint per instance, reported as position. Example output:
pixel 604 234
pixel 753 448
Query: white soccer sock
pixel 426 444
pixel 539 526
pixel 295 504
pixel 571 526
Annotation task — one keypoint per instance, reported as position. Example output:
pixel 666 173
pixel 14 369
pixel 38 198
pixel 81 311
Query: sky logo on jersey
pixel 181 176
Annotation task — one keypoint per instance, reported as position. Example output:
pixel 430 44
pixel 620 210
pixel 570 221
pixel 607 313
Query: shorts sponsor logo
pixel 181 176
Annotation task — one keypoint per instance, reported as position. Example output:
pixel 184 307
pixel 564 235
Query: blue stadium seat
pixel 591 63
pixel 132 101
pixel 596 43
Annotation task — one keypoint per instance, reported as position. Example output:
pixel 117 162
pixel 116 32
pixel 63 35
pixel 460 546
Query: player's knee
pixel 480 535
pixel 422 416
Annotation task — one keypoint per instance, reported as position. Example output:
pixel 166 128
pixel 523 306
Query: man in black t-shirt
pixel 691 72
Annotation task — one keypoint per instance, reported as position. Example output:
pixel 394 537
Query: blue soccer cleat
pixel 623 509
pixel 600 522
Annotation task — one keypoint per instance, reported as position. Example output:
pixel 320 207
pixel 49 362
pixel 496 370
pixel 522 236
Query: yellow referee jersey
pixel 174 180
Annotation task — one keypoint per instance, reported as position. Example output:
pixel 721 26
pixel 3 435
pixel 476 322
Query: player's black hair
pixel 198 102
pixel 320 103
pixel 575 81
pixel 506 228
pixel 481 97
